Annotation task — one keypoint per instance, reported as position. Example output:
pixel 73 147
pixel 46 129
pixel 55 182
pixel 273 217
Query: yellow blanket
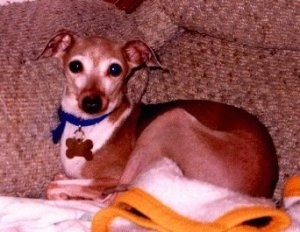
pixel 162 199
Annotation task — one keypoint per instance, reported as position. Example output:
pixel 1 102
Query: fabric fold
pixel 149 206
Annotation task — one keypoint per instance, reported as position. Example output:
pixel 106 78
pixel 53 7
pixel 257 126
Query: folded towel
pixel 162 199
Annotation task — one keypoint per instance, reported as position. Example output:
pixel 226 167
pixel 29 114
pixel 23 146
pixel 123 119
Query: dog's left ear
pixel 138 53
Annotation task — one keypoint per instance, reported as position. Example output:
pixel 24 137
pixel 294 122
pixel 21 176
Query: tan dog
pixel 106 140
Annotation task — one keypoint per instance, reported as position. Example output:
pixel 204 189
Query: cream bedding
pixel 33 215
pixel 161 199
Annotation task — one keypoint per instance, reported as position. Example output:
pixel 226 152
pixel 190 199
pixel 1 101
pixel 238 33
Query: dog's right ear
pixel 59 44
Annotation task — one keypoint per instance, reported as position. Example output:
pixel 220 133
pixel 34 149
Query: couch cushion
pixel 261 23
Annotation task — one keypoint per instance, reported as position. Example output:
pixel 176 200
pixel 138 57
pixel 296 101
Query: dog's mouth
pixel 92 104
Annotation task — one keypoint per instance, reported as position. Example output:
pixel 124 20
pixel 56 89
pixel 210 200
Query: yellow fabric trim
pixel 158 217
pixel 292 187
pixel 103 219
pixel 146 211
pixel 278 219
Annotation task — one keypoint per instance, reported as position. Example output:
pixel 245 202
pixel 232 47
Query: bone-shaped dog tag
pixel 78 146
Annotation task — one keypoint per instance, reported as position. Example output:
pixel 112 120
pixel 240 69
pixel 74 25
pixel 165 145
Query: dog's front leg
pixel 73 189
pixel 139 162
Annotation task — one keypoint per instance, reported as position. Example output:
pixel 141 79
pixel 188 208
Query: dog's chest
pixel 98 134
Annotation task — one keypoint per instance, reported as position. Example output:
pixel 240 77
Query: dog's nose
pixel 92 104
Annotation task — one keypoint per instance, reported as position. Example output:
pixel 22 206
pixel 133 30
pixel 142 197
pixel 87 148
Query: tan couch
pixel 246 53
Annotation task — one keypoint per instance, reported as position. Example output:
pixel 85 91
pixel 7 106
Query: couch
pixel 244 53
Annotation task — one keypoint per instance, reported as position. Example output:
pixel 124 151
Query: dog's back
pixel 213 142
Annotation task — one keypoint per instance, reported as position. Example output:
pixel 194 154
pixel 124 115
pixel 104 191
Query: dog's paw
pixel 54 192
pixel 60 176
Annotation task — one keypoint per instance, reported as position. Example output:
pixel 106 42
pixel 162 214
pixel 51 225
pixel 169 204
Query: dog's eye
pixel 76 66
pixel 115 69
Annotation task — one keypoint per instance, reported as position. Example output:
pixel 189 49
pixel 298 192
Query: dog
pixel 106 140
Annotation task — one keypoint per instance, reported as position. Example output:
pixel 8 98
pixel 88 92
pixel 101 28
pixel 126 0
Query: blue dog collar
pixel 77 121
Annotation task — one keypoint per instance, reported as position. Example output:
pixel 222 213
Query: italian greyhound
pixel 107 140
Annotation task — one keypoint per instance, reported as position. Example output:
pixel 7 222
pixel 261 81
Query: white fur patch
pixel 103 70
pixel 98 133
pixel 80 79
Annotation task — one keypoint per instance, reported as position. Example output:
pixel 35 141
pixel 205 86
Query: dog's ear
pixel 59 44
pixel 138 53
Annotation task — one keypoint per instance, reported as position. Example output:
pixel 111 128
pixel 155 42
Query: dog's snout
pixel 92 104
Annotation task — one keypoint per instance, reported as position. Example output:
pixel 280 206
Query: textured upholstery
pixel 246 53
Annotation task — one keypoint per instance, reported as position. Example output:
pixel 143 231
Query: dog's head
pixel 96 70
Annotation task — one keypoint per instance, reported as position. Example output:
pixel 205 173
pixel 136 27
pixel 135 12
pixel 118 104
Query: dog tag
pixel 78 146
